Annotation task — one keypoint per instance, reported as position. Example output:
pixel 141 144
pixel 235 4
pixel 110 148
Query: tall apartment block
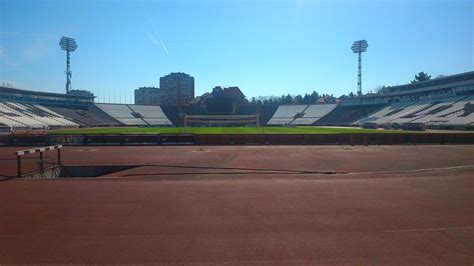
pixel 176 89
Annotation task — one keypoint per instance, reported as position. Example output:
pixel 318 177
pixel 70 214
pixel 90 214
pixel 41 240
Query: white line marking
pixel 413 170
pixel 239 235
pixel 429 229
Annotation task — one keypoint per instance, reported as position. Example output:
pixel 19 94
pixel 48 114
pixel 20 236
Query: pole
pixel 68 72
pixel 359 77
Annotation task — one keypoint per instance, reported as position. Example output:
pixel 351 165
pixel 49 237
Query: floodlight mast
pixel 358 47
pixel 69 45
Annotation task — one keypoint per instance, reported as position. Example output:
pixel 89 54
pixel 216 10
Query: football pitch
pixel 223 130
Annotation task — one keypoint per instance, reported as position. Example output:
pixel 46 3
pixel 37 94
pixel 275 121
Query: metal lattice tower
pixel 69 45
pixel 358 47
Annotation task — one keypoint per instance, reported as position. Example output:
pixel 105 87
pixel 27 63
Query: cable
pixel 217 173
pixel 244 169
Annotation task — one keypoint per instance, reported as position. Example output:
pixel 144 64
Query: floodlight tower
pixel 358 47
pixel 69 45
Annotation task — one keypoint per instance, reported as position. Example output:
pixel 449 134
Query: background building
pixel 147 96
pixel 176 89
pixel 221 100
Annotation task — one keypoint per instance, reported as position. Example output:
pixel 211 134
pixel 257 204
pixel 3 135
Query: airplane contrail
pixel 164 47
pixel 155 36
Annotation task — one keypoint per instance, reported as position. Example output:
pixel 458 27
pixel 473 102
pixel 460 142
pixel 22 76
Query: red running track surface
pixel 388 205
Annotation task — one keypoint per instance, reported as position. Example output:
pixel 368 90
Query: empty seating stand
pixel 122 113
pixel 285 114
pixel 388 113
pixel 24 115
pixel 153 115
pixel 451 111
pixel 313 113
pixel 348 114
pixel 89 115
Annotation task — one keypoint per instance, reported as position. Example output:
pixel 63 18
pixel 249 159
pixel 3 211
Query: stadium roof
pixel 41 93
pixel 437 83
pixel 433 82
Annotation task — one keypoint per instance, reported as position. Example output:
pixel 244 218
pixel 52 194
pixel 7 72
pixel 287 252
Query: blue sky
pixel 264 47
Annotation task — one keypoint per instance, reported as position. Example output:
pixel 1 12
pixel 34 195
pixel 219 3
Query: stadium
pixel 442 103
pixel 174 178
pixel 181 184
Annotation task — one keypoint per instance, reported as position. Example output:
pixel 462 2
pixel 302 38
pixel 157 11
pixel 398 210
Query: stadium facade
pixel 446 102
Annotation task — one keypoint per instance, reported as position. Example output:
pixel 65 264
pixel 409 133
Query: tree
pixel 329 99
pixel 314 97
pixel 307 99
pixel 298 99
pixel 422 76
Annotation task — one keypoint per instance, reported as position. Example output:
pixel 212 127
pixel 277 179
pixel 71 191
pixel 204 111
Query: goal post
pixel 222 120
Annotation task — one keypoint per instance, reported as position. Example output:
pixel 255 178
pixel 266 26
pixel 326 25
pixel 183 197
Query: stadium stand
pixel 89 115
pixel 285 114
pixel 387 114
pixel 347 115
pixel 136 115
pixel 153 115
pixel 453 111
pixel 313 113
pixel 25 115
pixel 123 114
pixel 7 118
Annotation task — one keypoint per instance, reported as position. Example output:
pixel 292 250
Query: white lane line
pixel 312 261
pixel 413 170
pixel 238 235
pixel 429 229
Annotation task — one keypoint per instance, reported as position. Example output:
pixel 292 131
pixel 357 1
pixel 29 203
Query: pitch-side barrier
pixel 240 139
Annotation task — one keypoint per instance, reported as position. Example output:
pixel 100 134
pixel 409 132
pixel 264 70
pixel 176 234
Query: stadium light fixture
pixel 358 47
pixel 69 45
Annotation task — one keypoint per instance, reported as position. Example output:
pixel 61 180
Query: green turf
pixel 221 130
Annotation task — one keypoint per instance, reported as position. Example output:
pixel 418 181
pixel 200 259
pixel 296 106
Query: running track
pixel 246 205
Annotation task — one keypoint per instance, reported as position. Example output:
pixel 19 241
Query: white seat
pixel 313 113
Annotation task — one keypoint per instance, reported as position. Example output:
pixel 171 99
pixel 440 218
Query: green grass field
pixel 222 130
